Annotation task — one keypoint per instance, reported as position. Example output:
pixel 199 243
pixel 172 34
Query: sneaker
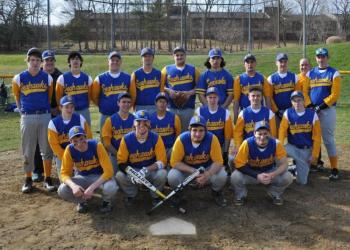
pixel 313 168
pixel 219 198
pixel 176 200
pixel 334 175
pixel 106 207
pixel 276 200
pixel 155 201
pixel 292 169
pixel 37 177
pixel 239 201
pixel 48 184
pixel 28 185
pixel 82 208
pixel 129 201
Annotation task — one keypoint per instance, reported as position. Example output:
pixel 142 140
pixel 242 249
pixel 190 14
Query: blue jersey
pixel 120 128
pixel 181 80
pixel 282 89
pixel 215 122
pixel 246 82
pixel 63 129
pixel 200 156
pixel 261 160
pixel 250 118
pixel 321 84
pixel 110 89
pixel 222 80
pixel 86 163
pixel 141 154
pixel 148 85
pixel 164 127
pixel 300 127
pixel 34 91
pixel 78 88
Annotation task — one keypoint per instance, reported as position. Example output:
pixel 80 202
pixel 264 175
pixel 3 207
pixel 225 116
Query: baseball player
pixel 249 116
pixel 59 127
pixel 180 83
pixel 146 83
pixel 218 120
pixel 281 84
pixel 321 93
pixel 92 170
pixel 216 76
pixel 193 149
pixel 108 85
pixel 77 84
pixel 48 65
pixel 165 123
pixel 32 90
pixel 302 128
pixel 144 151
pixel 116 126
pixel 242 84
pixel 261 159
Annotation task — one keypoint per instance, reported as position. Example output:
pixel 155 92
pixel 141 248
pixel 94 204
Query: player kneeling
pixel 194 149
pixel 261 159
pixel 93 169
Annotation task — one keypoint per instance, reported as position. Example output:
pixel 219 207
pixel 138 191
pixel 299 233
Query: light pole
pixel 48 26
pixel 304 28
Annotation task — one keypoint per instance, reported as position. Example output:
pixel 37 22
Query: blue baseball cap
pixel 162 95
pixel 281 56
pixel 212 90
pixel 296 94
pixel 34 51
pixel 321 51
pixel 48 54
pixel 215 52
pixel 249 57
pixel 261 125
pixel 65 100
pixel 114 53
pixel 75 131
pixel 198 120
pixel 147 51
pixel 141 115
pixel 123 95
pixel 179 49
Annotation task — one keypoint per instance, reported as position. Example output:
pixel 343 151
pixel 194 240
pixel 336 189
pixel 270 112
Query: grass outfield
pixel 95 64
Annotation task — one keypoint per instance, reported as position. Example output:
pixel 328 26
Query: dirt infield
pixel 316 216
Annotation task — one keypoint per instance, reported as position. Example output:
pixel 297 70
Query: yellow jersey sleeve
pixel 164 76
pixel 335 92
pixel 228 128
pixel 59 92
pixel 105 162
pixel 107 132
pixel 236 89
pixel 132 89
pixel 67 165
pixel 197 75
pixel 280 151
pixel 273 127
pixel 238 131
pixel 306 90
pixel 283 130
pixel 55 143
pixel 242 155
pixel 96 90
pixel 160 151
pixel 215 151
pixel 87 130
pixel 16 91
pixel 177 125
pixel 178 153
pixel 123 152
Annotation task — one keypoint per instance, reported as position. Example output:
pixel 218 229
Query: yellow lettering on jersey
pixel 249 127
pixel 33 88
pixel 300 128
pixel 147 84
pixel 63 138
pixel 87 165
pixel 215 125
pixel 77 90
pixel 261 162
pixel 216 82
pixel 197 159
pixel 113 90
pixel 164 131
pixel 245 89
pixel 119 133
pixel 176 80
pixel 280 88
pixel 322 82
pixel 144 156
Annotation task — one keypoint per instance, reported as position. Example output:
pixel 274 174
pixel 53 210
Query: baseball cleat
pixel 37 177
pixel 239 201
pixel 276 200
pixel 82 207
pixel 28 185
pixel 219 198
pixel 334 175
pixel 106 207
pixel 48 184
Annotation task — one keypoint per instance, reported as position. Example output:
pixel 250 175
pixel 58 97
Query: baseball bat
pixel 178 189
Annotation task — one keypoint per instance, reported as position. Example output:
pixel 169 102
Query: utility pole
pixel 278 23
pixel 250 28
pixel 48 26
pixel 112 27
pixel 304 28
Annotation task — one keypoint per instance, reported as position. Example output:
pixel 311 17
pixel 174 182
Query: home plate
pixel 172 226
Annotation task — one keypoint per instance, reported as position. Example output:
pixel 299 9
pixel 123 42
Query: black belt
pixel 36 112
pixel 302 146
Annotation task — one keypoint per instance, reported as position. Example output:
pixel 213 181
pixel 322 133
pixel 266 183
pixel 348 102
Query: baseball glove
pixel 180 99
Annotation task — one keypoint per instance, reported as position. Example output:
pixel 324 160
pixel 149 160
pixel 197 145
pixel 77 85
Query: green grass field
pixel 95 64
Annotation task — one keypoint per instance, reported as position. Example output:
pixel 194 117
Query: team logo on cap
pixel 76 129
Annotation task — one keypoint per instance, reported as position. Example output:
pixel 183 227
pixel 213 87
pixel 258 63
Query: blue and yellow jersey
pixel 77 86
pixel 246 122
pixel 33 93
pixel 185 79
pixel 115 128
pixel 145 86
pixel 222 80
pixel 105 90
pixel 94 161
pixel 141 154
pixel 301 129
pixel 204 154
pixel 243 83
pixel 58 130
pixel 281 87
pixel 168 127
pixel 323 86
pixel 218 122
pixel 261 160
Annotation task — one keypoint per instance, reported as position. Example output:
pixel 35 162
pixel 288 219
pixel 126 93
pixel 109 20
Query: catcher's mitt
pixel 180 99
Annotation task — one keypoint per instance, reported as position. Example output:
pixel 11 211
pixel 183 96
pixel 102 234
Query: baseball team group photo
pixel 180 147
